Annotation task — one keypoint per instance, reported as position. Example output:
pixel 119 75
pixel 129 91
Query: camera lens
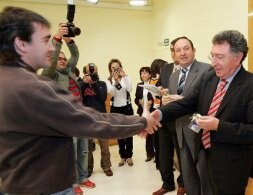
pixel 77 31
pixel 94 77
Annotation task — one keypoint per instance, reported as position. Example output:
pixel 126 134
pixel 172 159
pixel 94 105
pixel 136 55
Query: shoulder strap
pixel 128 98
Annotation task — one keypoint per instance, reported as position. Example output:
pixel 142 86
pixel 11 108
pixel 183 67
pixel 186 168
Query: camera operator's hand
pixel 121 72
pixel 62 30
pixel 87 79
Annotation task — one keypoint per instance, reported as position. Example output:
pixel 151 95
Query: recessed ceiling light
pixel 138 2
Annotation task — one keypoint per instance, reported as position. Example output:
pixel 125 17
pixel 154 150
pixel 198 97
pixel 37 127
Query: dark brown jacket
pixel 37 123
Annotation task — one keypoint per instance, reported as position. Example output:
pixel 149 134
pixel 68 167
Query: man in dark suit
pixel 193 166
pixel 230 151
pixel 168 140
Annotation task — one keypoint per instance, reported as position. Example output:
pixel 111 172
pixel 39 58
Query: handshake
pixel 153 122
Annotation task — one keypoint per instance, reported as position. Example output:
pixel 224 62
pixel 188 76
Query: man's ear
pixel 20 45
pixel 238 58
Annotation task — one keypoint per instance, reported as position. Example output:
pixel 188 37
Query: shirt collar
pixel 229 79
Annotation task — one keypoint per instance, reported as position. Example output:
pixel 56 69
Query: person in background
pixel 144 100
pixel 63 72
pixel 94 93
pixel 119 86
pixel 181 83
pixel 167 137
pixel 77 74
pixel 156 67
pixel 223 102
pixel 39 117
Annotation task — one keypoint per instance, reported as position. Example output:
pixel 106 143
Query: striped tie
pixel 182 81
pixel 218 96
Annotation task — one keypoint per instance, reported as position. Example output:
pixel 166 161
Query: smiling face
pixel 38 51
pixel 62 61
pixel 184 53
pixel 145 76
pixel 224 62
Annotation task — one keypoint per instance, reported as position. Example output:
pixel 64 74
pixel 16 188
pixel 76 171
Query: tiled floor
pixel 140 179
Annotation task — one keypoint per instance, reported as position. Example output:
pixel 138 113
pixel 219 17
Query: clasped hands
pixel 153 122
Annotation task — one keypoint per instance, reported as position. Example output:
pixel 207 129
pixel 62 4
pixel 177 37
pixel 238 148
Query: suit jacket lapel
pixel 190 77
pixel 174 82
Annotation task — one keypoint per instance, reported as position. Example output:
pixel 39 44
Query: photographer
pixel 63 72
pixel 61 68
pixel 94 94
pixel 119 87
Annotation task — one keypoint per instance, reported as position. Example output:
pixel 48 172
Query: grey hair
pixel 235 39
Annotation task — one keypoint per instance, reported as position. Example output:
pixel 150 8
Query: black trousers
pixel 167 144
pixel 150 150
pixel 125 145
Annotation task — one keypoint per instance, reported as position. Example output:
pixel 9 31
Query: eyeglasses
pixel 221 57
pixel 216 58
pixel 64 59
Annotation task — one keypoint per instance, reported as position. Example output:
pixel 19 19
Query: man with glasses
pixel 62 71
pixel 223 101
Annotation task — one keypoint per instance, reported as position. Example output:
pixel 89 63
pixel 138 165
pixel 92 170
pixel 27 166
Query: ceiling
pixel 117 4
pixel 121 1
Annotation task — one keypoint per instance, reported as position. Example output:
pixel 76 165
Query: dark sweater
pixel 94 95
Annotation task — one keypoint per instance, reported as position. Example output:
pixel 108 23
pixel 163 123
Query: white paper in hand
pixel 153 89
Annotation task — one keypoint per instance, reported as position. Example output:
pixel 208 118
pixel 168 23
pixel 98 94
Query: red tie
pixel 217 98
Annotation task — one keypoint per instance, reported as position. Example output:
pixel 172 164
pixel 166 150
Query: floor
pixel 140 179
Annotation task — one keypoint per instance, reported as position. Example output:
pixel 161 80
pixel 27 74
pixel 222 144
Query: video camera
pixel 72 29
pixel 93 75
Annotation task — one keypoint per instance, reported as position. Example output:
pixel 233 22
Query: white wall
pixel 133 35
pixel 199 20
pixel 106 34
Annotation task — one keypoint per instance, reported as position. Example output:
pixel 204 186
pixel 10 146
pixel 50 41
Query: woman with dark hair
pixel 119 86
pixel 156 67
pixel 144 99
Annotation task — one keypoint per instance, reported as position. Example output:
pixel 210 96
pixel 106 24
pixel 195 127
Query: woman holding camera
pixel 119 86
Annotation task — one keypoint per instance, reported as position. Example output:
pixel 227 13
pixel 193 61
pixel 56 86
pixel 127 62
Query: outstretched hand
pixel 143 134
pixel 153 121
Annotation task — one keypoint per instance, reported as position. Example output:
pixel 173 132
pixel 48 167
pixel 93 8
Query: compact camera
pixel 93 75
pixel 116 69
pixel 72 29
